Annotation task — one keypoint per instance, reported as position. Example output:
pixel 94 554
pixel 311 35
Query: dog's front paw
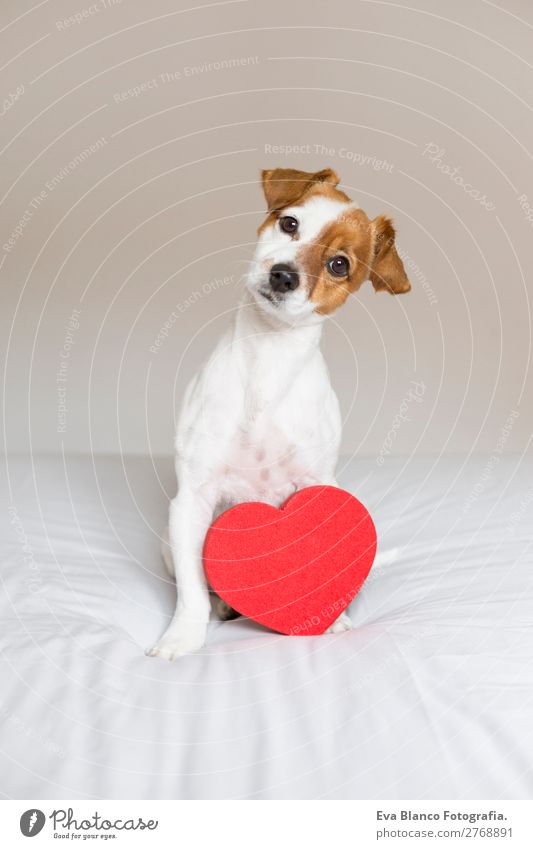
pixel 171 649
pixel 343 623
pixel 179 641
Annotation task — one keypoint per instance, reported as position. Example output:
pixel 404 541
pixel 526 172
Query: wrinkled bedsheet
pixel 429 696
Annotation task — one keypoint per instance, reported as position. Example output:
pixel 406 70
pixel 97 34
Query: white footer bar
pixel 268 824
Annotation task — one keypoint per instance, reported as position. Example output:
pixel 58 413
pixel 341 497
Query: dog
pixel 261 420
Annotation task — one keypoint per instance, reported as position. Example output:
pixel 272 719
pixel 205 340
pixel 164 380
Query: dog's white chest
pixel 263 464
pixel 261 420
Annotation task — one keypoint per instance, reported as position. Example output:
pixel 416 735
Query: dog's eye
pixel 288 224
pixel 338 266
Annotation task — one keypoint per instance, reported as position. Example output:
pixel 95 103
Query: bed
pixel 429 696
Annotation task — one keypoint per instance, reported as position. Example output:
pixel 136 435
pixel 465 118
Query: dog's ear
pixel 387 272
pixel 283 186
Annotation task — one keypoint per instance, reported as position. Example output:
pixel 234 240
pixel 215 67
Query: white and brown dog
pixel 261 419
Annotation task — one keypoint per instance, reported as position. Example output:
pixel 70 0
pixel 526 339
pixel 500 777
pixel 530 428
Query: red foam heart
pixel 296 568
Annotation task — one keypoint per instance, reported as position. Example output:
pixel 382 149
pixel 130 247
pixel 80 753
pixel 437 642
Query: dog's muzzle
pixel 283 278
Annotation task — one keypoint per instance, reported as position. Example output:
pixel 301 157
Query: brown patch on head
pixel 367 245
pixel 286 186
pixel 350 236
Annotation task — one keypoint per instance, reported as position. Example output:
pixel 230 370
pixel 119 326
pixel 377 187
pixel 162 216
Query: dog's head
pixel 316 247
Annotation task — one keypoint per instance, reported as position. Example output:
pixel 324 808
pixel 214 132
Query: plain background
pixel 156 224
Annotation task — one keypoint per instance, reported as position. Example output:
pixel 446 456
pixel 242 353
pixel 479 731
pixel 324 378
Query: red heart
pixel 294 569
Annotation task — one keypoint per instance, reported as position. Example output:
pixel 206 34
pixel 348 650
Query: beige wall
pixel 157 218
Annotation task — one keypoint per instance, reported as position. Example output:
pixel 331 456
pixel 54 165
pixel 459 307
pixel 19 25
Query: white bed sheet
pixel 430 696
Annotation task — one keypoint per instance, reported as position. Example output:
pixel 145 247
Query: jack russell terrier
pixel 261 419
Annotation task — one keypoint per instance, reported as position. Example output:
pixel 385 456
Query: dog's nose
pixel 283 278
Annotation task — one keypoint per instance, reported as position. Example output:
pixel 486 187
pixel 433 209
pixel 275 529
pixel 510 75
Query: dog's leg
pixel 167 553
pixel 190 516
pixel 343 623
pixel 223 611
pixel 221 608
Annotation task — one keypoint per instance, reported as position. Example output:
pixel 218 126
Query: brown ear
pixel 283 186
pixel 388 273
